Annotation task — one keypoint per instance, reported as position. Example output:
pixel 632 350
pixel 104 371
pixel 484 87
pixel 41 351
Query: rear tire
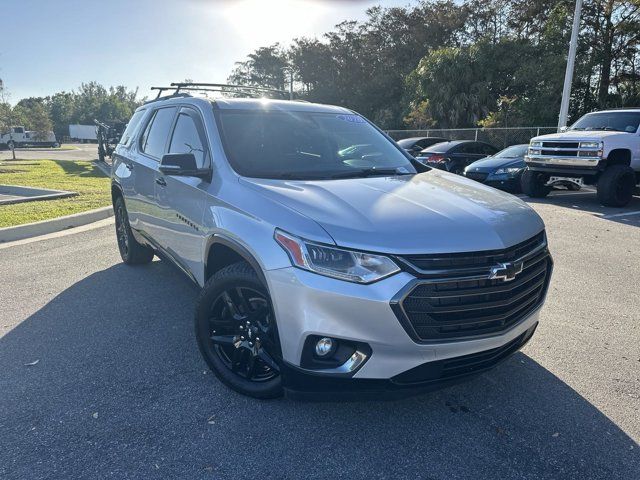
pixel 533 184
pixel 616 185
pixel 132 252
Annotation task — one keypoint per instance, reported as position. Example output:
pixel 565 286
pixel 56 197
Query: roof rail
pixel 179 87
pixel 224 87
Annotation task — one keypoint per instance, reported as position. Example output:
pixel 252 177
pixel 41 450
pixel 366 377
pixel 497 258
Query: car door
pixel 473 151
pixel 141 202
pixel 181 200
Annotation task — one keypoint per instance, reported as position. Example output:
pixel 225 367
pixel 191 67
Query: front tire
pixel 131 252
pixel 237 334
pixel 533 184
pixel 615 186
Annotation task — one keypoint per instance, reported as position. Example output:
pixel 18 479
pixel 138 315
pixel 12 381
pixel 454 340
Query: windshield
pixel 512 152
pixel 616 121
pixel 307 145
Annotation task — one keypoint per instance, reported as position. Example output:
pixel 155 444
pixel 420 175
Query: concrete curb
pixel 20 232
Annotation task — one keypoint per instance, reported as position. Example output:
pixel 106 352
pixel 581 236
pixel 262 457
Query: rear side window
pixel 155 136
pixel 131 127
pixel 488 149
pixel 443 147
pixel 186 139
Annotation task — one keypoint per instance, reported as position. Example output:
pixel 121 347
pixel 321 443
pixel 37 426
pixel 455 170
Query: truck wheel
pixel 236 332
pixel 533 184
pixel 11 145
pixel 132 252
pixel 615 186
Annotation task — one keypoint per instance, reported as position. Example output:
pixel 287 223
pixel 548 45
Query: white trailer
pixel 18 136
pixel 83 133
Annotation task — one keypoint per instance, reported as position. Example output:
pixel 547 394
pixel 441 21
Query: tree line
pixel 445 64
pixel 56 112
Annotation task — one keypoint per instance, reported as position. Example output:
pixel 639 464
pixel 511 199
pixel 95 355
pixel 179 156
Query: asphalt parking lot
pixel 100 377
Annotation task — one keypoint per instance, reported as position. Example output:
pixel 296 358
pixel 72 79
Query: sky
pixel 54 45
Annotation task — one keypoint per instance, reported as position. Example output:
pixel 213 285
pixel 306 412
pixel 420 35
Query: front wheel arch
pixel 233 252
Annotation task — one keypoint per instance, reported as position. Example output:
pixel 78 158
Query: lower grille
pixel 477 176
pixel 562 153
pixel 452 368
pixel 461 305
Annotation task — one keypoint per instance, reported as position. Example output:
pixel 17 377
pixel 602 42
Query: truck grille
pixel 560 145
pixel 458 297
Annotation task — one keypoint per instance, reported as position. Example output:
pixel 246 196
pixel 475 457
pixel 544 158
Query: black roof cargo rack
pixel 179 87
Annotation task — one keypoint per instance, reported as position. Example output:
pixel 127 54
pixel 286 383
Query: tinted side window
pixel 155 137
pixel 186 139
pixel 489 150
pixel 131 127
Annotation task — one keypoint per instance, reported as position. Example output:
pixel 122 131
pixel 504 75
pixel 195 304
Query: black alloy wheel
pixel 237 334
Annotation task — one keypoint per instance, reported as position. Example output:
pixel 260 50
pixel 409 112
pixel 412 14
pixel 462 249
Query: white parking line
pixel 625 214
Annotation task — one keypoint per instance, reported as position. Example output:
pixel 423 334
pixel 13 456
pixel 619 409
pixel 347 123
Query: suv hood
pixel 431 212
pixel 578 135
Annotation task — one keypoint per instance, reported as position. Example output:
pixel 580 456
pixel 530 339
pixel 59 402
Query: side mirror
pixel 564 129
pixel 182 165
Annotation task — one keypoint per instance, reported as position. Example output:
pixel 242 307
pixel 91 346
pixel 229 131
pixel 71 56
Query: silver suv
pixel 329 260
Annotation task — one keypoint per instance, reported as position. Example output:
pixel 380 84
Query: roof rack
pixel 214 87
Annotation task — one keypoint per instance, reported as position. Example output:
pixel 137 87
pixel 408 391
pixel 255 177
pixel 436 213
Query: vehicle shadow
pixel 119 389
pixel 587 201
pixel 83 169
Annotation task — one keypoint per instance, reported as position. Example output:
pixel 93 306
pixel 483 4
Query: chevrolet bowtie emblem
pixel 506 271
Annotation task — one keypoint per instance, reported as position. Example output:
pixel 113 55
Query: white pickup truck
pixel 602 149
pixel 20 137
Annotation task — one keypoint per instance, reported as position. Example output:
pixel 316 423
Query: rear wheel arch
pixel 116 192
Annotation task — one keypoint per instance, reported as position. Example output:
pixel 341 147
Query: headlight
pixel 358 267
pixel 534 151
pixel 507 171
pixel 589 144
pixel 535 144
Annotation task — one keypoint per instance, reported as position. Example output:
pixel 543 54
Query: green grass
pixel 84 178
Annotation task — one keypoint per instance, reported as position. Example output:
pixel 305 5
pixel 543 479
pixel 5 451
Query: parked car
pixel 455 155
pixel 318 274
pixel 415 145
pixel 601 148
pixel 502 170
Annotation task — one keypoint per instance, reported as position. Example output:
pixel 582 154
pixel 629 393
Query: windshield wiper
pixel 605 128
pixel 370 172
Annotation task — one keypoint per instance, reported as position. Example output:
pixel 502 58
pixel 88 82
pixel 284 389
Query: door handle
pixel 161 181
pixel 128 165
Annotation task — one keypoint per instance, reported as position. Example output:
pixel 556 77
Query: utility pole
pixel 571 60
pixel 290 83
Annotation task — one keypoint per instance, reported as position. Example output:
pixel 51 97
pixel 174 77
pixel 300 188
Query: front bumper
pixel 589 163
pixel 309 304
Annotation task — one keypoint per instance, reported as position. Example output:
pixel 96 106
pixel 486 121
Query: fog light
pixel 324 347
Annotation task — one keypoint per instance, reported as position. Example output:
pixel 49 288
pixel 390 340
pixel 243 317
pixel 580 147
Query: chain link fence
pixel 498 137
